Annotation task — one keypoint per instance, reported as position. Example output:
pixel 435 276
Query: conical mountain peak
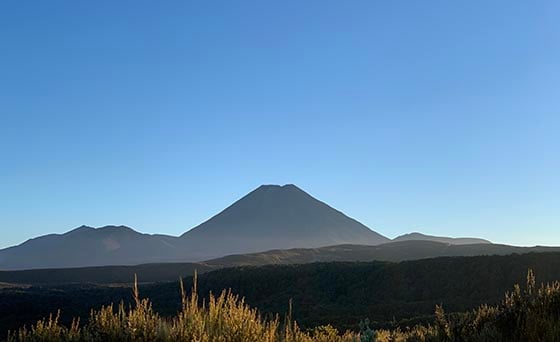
pixel 275 216
pixel 273 188
pixel 278 187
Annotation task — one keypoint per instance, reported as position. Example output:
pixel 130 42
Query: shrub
pixel 528 315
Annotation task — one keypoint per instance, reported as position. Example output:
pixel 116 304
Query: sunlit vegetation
pixel 528 314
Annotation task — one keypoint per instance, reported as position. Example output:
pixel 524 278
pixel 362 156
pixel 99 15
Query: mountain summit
pixel 276 217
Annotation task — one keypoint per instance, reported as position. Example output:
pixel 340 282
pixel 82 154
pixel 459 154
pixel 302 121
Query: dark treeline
pixel 342 294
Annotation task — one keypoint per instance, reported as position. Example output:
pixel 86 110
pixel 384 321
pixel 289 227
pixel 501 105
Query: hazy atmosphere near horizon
pixel 279 171
pixel 440 117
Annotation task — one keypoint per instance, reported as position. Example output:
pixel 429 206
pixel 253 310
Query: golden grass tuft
pixel 532 314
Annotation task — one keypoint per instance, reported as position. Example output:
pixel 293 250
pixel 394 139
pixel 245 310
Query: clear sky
pixel 433 116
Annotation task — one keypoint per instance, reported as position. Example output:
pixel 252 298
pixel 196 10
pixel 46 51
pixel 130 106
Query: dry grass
pixel 529 315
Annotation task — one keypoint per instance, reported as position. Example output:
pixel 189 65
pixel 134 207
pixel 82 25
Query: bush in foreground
pixel 532 314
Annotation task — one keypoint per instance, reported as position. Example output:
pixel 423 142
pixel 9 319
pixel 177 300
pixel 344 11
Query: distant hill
pixel 276 217
pixel 453 241
pixel 269 217
pixel 87 246
pixel 392 252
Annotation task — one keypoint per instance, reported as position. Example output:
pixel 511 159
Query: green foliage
pixel 366 333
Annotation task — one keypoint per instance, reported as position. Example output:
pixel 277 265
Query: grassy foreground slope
pixel 528 315
pixel 340 294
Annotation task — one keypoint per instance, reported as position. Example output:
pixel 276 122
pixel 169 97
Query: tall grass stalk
pixel 531 314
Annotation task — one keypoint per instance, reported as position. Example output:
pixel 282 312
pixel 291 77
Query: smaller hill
pixel 393 252
pixel 452 241
pixel 87 246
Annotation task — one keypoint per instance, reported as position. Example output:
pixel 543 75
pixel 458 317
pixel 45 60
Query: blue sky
pixel 433 116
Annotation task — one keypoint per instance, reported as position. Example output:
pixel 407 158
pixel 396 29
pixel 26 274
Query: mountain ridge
pixel 269 217
pixel 393 252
